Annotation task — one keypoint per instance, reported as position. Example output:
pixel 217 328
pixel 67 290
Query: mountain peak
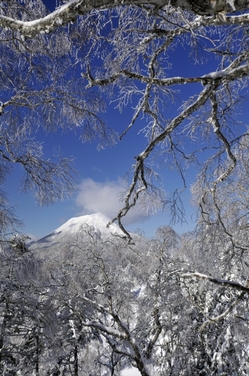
pixel 97 220
pixel 74 226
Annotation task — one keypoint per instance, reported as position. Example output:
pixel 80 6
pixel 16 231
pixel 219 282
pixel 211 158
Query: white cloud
pixel 106 198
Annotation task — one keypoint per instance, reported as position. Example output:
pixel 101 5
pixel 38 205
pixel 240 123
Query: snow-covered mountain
pixel 97 220
pixel 73 227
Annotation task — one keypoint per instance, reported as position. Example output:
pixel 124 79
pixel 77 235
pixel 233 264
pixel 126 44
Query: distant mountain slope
pixel 97 220
pixel 72 228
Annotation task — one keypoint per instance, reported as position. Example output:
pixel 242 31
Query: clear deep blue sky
pixel 100 173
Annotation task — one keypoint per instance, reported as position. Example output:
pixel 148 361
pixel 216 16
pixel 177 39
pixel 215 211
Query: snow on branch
pixel 72 9
pixel 228 73
pixel 109 330
pixel 217 281
pixel 139 183
pixel 213 320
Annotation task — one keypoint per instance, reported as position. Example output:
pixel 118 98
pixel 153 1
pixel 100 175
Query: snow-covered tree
pixel 144 305
pixel 169 305
pixel 21 313
pixel 96 305
pixel 125 52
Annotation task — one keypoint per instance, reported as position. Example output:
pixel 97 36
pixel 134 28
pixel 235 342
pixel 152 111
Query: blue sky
pixel 101 173
pixel 100 180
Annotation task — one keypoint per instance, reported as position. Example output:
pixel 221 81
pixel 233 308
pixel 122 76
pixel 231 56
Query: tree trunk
pixel 76 365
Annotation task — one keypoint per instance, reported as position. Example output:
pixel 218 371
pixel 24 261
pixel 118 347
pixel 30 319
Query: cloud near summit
pixel 106 198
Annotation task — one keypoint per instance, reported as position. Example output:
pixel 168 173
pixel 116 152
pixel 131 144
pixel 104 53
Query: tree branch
pixel 217 281
pixel 72 9
pixel 212 320
pixel 230 73
pixel 138 177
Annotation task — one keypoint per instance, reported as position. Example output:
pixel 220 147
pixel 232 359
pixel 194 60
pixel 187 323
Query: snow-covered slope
pixel 73 227
pixel 98 221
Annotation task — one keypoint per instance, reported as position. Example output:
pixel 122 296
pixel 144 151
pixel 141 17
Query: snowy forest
pixel 98 303
pixel 84 303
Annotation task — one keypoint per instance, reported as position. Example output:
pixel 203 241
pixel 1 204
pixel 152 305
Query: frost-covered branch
pixel 218 281
pixel 139 183
pixel 217 131
pixel 212 320
pixel 230 73
pixel 107 330
pixel 122 333
pixel 72 9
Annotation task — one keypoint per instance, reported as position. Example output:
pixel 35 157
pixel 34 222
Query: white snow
pixel 74 226
pixel 130 372
pixel 98 220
